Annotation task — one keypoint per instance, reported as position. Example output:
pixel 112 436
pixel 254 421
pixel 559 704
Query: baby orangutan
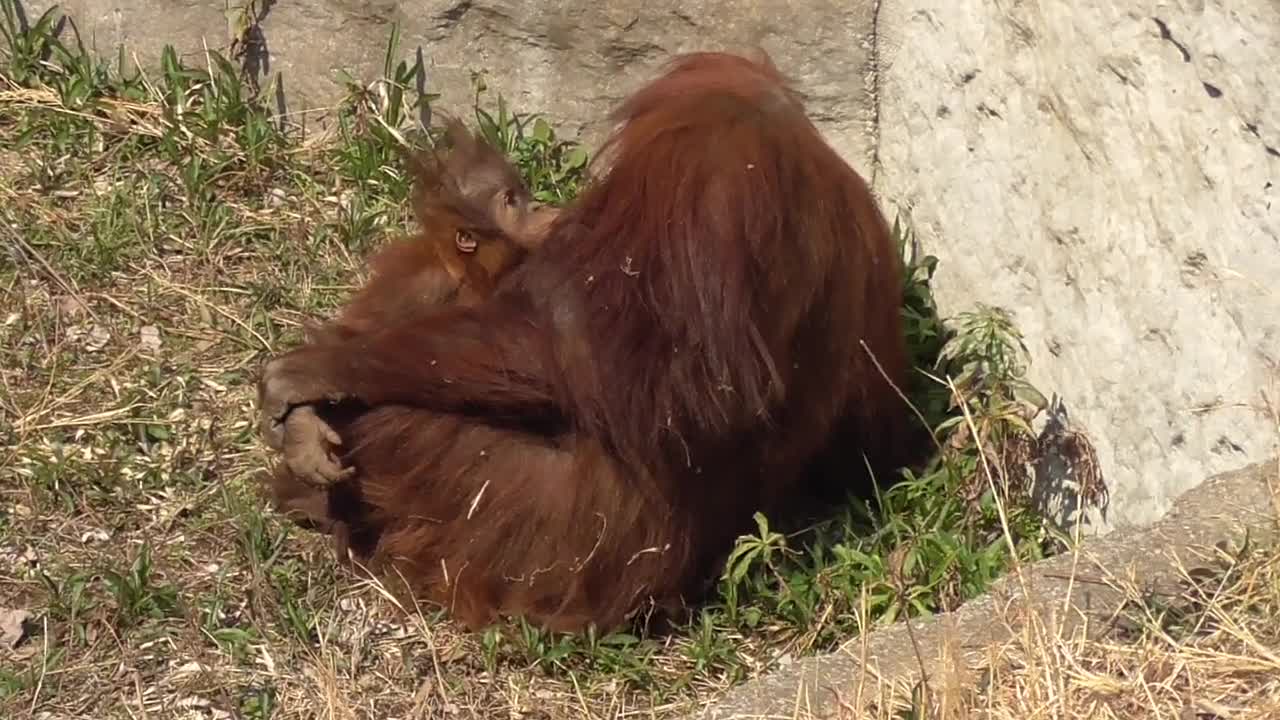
pixel 477 220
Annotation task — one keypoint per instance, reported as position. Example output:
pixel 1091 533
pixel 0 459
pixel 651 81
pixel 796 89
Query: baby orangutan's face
pixel 487 180
pixel 521 222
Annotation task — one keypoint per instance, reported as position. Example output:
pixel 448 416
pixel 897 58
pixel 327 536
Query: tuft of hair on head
pixel 439 175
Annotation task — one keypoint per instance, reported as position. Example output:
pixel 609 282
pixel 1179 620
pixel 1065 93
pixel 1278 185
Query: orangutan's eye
pixel 464 242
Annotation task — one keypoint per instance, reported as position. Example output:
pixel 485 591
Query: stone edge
pixel 1221 510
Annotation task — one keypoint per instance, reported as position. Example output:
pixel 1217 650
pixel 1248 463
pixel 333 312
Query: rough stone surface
pixel 1221 510
pixel 1119 191
pixel 570 60
pixel 1107 171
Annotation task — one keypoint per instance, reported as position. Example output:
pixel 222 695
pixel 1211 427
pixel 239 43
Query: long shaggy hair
pixel 693 343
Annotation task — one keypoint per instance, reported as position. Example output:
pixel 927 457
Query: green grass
pixel 163 234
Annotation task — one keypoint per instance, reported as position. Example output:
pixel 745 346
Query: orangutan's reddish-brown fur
pixel 690 345
pixel 477 220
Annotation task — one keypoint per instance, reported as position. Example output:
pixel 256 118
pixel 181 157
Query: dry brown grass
pixel 1214 652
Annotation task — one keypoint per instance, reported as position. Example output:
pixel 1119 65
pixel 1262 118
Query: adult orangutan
pixel 692 343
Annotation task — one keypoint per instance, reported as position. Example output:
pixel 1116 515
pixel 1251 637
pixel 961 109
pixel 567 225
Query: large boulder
pixel 1110 172
pixel 566 59
pixel 1106 171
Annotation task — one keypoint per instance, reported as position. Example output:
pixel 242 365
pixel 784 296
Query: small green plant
pixel 295 612
pixel 710 652
pixel 18 680
pixel 13 683
pixel 261 540
pixel 989 361
pixel 258 703
pixel 70 601
pixel 27 47
pixel 554 169
pixel 923 327
pixel 379 126
pixel 491 645
pixel 235 641
pixel 751 552
pixel 137 592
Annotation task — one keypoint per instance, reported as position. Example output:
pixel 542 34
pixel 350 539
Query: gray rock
pixel 1119 191
pixel 571 61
